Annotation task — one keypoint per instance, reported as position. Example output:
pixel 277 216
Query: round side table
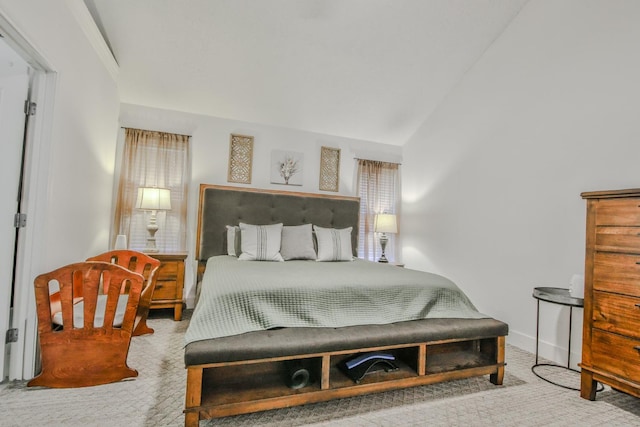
pixel 555 296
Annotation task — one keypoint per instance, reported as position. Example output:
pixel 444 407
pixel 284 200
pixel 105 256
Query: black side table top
pixel 557 296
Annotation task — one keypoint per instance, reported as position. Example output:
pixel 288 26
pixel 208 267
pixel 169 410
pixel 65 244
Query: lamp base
pixel 152 227
pixel 383 244
pixel 151 246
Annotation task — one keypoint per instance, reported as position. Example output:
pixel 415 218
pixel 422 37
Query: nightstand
pixel 169 283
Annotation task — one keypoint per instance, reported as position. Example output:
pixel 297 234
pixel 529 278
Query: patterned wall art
pixel 329 169
pixel 287 167
pixel 240 159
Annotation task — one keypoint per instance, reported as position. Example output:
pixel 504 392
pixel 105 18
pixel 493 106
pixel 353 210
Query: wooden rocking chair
pixel 89 349
pixel 142 264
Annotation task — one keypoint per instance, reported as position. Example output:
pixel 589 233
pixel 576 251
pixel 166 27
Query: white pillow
pixel 260 242
pixel 297 242
pixel 233 240
pixel 334 244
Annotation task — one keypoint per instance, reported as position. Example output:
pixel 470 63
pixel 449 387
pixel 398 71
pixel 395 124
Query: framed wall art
pixel 329 169
pixel 240 159
pixel 287 167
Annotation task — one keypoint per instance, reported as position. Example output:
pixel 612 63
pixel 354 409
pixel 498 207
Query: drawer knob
pixel 638 305
pixel 637 347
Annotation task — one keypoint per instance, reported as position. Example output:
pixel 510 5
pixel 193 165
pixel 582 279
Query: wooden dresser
pixel 170 283
pixel 611 334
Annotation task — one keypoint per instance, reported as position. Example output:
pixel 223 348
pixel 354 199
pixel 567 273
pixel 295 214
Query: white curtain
pixel 153 159
pixel 378 187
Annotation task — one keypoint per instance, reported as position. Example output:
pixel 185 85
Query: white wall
pixel 210 155
pixel 492 180
pixel 82 133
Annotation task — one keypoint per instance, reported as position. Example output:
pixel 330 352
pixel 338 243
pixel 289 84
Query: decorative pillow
pixel 297 242
pixel 233 240
pixel 334 244
pixel 260 242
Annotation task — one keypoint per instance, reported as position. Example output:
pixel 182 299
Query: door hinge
pixel 20 220
pixel 12 335
pixel 30 108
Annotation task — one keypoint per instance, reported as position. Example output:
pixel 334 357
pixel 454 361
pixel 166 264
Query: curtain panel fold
pixel 153 159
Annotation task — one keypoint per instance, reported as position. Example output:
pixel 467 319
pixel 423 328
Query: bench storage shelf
pixel 237 387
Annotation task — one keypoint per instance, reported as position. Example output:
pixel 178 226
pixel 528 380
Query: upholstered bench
pixel 245 373
pixel 288 342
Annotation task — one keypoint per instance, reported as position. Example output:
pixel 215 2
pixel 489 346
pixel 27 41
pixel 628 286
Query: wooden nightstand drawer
pixel 165 289
pixel 168 270
pixel 169 283
pixel 616 354
pixel 616 313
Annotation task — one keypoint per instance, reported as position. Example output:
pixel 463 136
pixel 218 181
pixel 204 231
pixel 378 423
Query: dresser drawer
pixel 165 289
pixel 618 212
pixel 616 313
pixel 616 354
pixel 618 239
pixel 618 273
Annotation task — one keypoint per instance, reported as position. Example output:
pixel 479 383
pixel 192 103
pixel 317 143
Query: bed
pixel 268 335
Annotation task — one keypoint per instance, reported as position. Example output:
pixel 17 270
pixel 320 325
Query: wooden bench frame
pixel 232 388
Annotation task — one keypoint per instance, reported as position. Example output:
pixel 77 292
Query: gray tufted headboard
pixel 220 206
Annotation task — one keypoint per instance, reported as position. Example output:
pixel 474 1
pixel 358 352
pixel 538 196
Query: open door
pixel 14 87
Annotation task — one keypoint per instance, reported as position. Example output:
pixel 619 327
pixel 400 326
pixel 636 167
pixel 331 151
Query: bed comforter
pixel 244 296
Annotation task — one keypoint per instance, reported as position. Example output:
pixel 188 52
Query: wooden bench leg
pixel 498 377
pixel 193 396
pixel 191 419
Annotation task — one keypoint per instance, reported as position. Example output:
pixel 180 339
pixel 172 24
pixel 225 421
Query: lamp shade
pixel 154 199
pixel 385 223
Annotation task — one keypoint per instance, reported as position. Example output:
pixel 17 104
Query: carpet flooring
pixel 156 398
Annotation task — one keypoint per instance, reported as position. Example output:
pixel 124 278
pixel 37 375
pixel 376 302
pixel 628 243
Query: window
pixel 378 187
pixel 153 159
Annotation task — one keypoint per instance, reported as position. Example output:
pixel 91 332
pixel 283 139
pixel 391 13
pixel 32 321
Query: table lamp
pixel 153 199
pixel 385 223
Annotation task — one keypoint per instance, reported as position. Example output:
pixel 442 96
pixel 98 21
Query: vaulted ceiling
pixel 365 69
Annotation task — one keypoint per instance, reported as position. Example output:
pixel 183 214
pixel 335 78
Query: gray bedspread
pixel 244 296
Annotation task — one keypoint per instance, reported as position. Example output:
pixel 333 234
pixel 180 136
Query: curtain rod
pixel 381 161
pixel 158 131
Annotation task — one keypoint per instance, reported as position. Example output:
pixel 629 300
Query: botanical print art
pixel 286 167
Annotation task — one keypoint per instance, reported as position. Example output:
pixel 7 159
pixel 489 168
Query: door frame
pixel 14 90
pixel 22 359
